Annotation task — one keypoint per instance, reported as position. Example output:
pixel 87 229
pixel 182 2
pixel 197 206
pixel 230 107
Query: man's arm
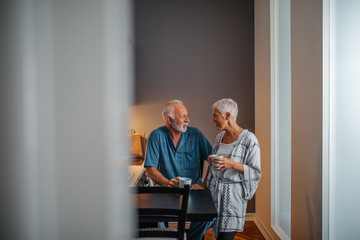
pixel 206 172
pixel 203 185
pixel 205 151
pixel 158 178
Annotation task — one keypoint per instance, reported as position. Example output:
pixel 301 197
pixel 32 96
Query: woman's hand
pixel 225 163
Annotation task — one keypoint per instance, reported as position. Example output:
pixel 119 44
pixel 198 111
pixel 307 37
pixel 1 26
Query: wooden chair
pixel 164 214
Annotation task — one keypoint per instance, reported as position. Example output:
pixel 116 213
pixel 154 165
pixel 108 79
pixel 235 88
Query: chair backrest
pixel 162 207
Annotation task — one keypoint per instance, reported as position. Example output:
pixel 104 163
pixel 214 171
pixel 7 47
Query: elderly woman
pixel 234 179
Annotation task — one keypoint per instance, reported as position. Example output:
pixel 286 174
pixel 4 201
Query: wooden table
pixel 200 207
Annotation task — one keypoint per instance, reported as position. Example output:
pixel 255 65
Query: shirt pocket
pixel 191 160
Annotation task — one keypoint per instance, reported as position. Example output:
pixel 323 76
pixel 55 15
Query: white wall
pixel 281 118
pixel 306 107
pixel 65 88
pixel 263 115
pixel 344 120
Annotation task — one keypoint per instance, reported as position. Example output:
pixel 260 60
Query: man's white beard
pixel 179 128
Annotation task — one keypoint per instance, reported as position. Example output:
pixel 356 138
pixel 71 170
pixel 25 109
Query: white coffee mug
pixel 215 165
pixel 184 181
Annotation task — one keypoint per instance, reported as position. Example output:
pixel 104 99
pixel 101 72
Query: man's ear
pixel 168 120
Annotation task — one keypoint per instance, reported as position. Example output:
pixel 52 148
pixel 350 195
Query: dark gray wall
pixel 196 51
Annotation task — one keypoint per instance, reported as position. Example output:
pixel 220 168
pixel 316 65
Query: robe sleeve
pixel 252 171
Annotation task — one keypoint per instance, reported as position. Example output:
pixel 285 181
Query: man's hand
pixel 198 186
pixel 173 182
pixel 209 159
pixel 158 178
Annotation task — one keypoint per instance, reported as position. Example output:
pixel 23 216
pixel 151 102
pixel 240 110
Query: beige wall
pixel 306 18
pixel 306 201
pixel 263 114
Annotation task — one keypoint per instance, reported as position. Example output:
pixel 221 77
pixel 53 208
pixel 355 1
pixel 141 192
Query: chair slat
pixel 152 219
pixel 154 233
pixel 159 211
pixel 160 190
pixel 166 214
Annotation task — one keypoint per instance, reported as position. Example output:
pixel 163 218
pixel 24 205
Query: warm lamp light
pixel 137 145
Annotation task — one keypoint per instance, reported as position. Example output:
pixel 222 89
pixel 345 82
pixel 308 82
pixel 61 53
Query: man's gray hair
pixel 168 110
pixel 226 105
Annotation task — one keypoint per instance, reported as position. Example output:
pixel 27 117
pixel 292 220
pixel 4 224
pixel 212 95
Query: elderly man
pixel 175 151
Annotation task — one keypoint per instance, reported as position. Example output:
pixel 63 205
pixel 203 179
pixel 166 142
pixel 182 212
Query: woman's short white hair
pixel 168 110
pixel 226 105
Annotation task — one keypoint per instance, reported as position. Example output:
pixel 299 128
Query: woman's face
pixel 218 119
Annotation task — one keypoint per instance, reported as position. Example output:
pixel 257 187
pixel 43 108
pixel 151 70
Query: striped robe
pixel 231 190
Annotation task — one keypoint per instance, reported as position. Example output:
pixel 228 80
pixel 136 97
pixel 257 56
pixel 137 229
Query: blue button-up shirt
pixel 183 161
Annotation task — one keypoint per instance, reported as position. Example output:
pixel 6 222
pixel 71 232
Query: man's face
pixel 181 120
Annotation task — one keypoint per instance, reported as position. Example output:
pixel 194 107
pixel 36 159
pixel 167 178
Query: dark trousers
pixel 226 236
